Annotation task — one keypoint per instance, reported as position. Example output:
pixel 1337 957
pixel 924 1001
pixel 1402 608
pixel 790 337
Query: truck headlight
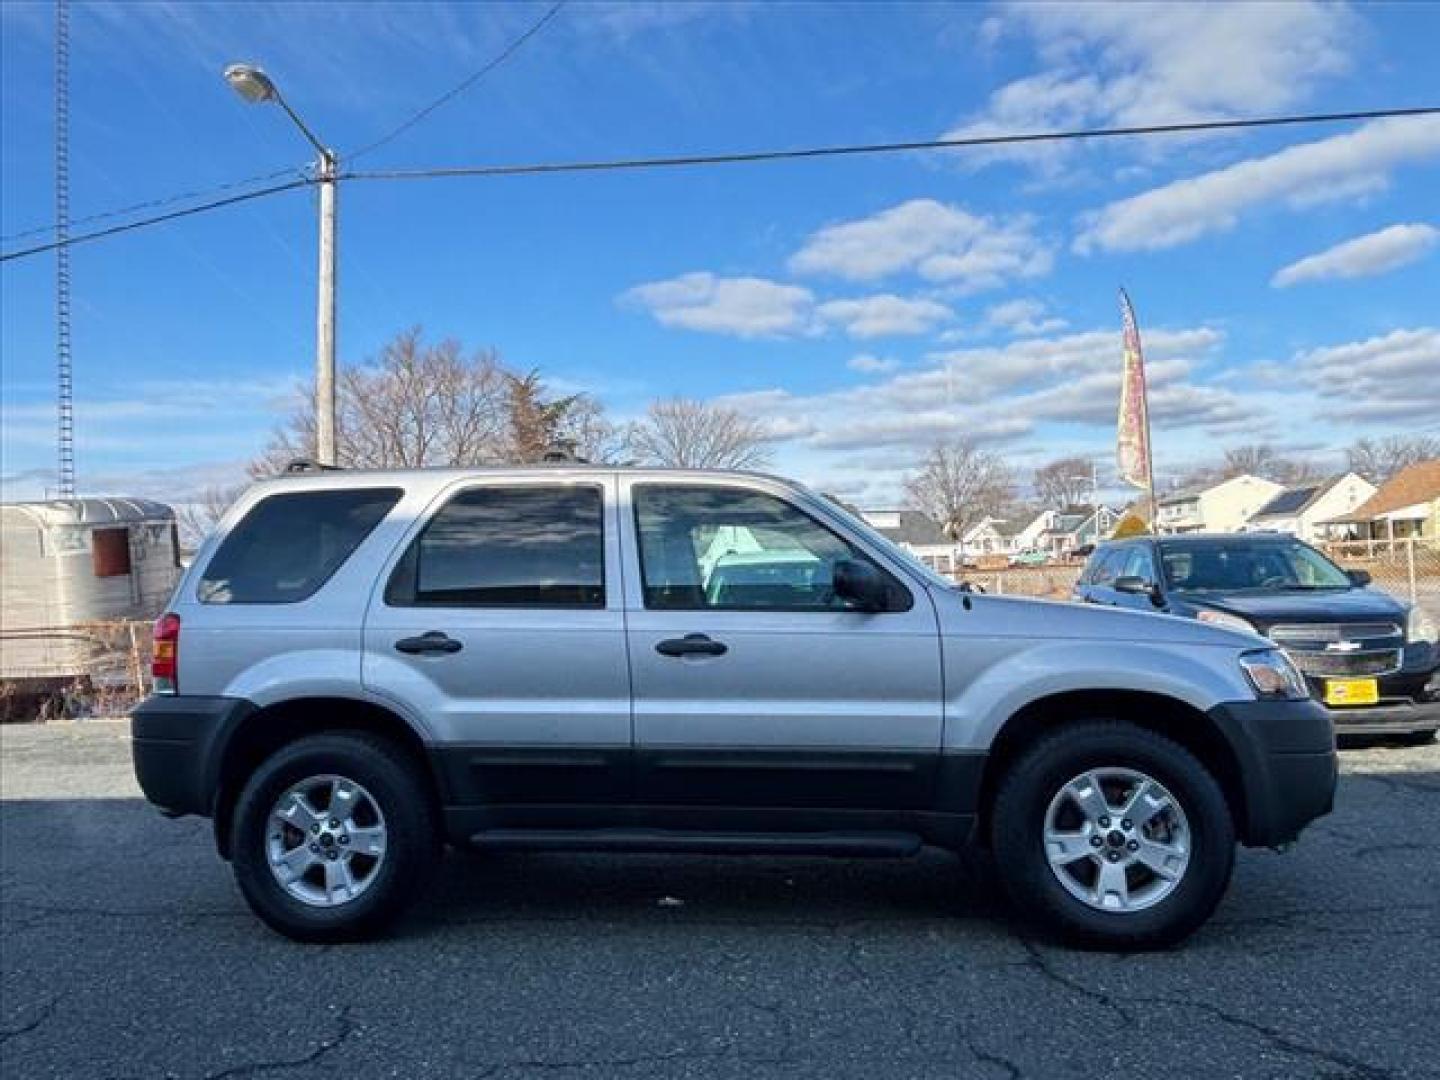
pixel 1274 675
pixel 1230 622
pixel 1421 627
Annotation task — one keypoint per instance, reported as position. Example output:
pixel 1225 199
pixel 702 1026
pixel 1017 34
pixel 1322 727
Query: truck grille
pixel 1324 633
pixel 1345 665
pixel 1341 650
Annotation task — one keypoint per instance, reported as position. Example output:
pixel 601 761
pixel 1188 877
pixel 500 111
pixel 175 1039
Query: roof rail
pixel 306 465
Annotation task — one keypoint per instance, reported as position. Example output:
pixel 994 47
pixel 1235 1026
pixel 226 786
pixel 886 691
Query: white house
pixel 1223 507
pixel 1028 538
pixel 1302 511
pixel 988 536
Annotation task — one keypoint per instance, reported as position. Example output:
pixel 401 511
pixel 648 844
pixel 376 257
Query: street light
pixel 256 88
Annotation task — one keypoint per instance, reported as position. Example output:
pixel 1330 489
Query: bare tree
pixel 689 434
pixel 1064 482
pixel 959 483
pixel 419 404
pixel 197 518
pixel 1257 459
pixel 1379 459
pixel 1262 459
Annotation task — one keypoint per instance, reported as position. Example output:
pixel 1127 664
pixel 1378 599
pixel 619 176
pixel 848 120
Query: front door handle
pixel 692 645
pixel 436 641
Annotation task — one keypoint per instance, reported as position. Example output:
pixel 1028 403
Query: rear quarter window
pixel 290 544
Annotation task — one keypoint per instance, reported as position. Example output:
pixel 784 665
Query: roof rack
pixel 306 465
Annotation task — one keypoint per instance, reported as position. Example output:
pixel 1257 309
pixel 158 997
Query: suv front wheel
pixel 334 836
pixel 1113 836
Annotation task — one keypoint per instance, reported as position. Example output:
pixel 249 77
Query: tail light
pixel 165 660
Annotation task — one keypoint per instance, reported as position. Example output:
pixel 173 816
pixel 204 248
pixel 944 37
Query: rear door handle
pixel 436 641
pixel 692 645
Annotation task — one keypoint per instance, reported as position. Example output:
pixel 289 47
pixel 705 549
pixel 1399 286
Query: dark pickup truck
pixel 1369 658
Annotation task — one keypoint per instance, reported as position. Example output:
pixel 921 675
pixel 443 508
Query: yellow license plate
pixel 1351 691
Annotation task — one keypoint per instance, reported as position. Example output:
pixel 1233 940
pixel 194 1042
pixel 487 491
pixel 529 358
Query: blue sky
pixel 1287 281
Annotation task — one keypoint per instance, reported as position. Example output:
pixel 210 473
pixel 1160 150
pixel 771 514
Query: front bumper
pixel 1392 716
pixel 177 743
pixel 1288 765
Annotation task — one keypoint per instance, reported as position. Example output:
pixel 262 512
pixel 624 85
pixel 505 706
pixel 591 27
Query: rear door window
pixel 540 547
pixel 290 544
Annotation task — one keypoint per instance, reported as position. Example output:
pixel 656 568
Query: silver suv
pixel 362 666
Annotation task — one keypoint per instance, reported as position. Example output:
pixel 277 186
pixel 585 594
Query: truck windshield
pixel 1248 565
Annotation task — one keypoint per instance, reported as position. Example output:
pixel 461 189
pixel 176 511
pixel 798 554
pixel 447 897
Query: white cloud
pixel 1384 379
pixel 1364 256
pixel 941 242
pixel 1023 318
pixel 746 307
pixel 1342 166
pixel 885 315
pixel 1001 393
pixel 1122 64
pixel 870 364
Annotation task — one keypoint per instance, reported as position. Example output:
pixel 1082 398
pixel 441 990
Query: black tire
pixel 398 787
pixel 1017 823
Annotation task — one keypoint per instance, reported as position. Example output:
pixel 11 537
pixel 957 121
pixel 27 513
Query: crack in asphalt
pixel 1400 782
pixel 1393 849
pixel 1354 1067
pixel 44 1013
pixel 345 1028
pixel 986 1057
pixel 546 1065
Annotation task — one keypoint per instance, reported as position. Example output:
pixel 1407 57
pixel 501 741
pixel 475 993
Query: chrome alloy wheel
pixel 1117 840
pixel 325 840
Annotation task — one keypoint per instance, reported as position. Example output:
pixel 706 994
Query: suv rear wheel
pixel 334 836
pixel 1113 836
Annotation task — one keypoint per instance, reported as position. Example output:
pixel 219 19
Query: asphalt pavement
pixel 126 951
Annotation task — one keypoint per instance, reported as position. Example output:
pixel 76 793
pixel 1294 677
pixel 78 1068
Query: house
pixel 1305 510
pixel 1069 530
pixel 1028 538
pixel 1407 506
pixel 919 534
pixel 1223 507
pixel 989 536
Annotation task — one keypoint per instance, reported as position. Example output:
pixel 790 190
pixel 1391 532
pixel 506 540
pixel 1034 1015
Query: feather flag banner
pixel 1133 443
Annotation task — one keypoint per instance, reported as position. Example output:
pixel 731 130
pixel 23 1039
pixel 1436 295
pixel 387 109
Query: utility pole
pixel 256 87
pixel 325 450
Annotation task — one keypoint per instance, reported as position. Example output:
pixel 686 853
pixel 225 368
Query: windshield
pixel 1246 565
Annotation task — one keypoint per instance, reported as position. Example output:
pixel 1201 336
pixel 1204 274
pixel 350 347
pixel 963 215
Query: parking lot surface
pixel 125 951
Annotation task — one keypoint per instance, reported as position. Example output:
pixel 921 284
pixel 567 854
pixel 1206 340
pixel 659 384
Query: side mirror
pixel 860 585
pixel 1359 578
pixel 1137 586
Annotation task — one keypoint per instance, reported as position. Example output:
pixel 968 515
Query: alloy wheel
pixel 1117 839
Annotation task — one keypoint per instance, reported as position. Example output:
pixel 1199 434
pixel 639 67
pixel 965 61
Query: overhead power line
pixel 155 204
pixel 214 204
pixel 856 149
pixel 745 157
pixel 219 189
pixel 465 84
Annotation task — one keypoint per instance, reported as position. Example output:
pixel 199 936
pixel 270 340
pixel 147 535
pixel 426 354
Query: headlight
pixel 1273 675
pixel 1230 622
pixel 1421 627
